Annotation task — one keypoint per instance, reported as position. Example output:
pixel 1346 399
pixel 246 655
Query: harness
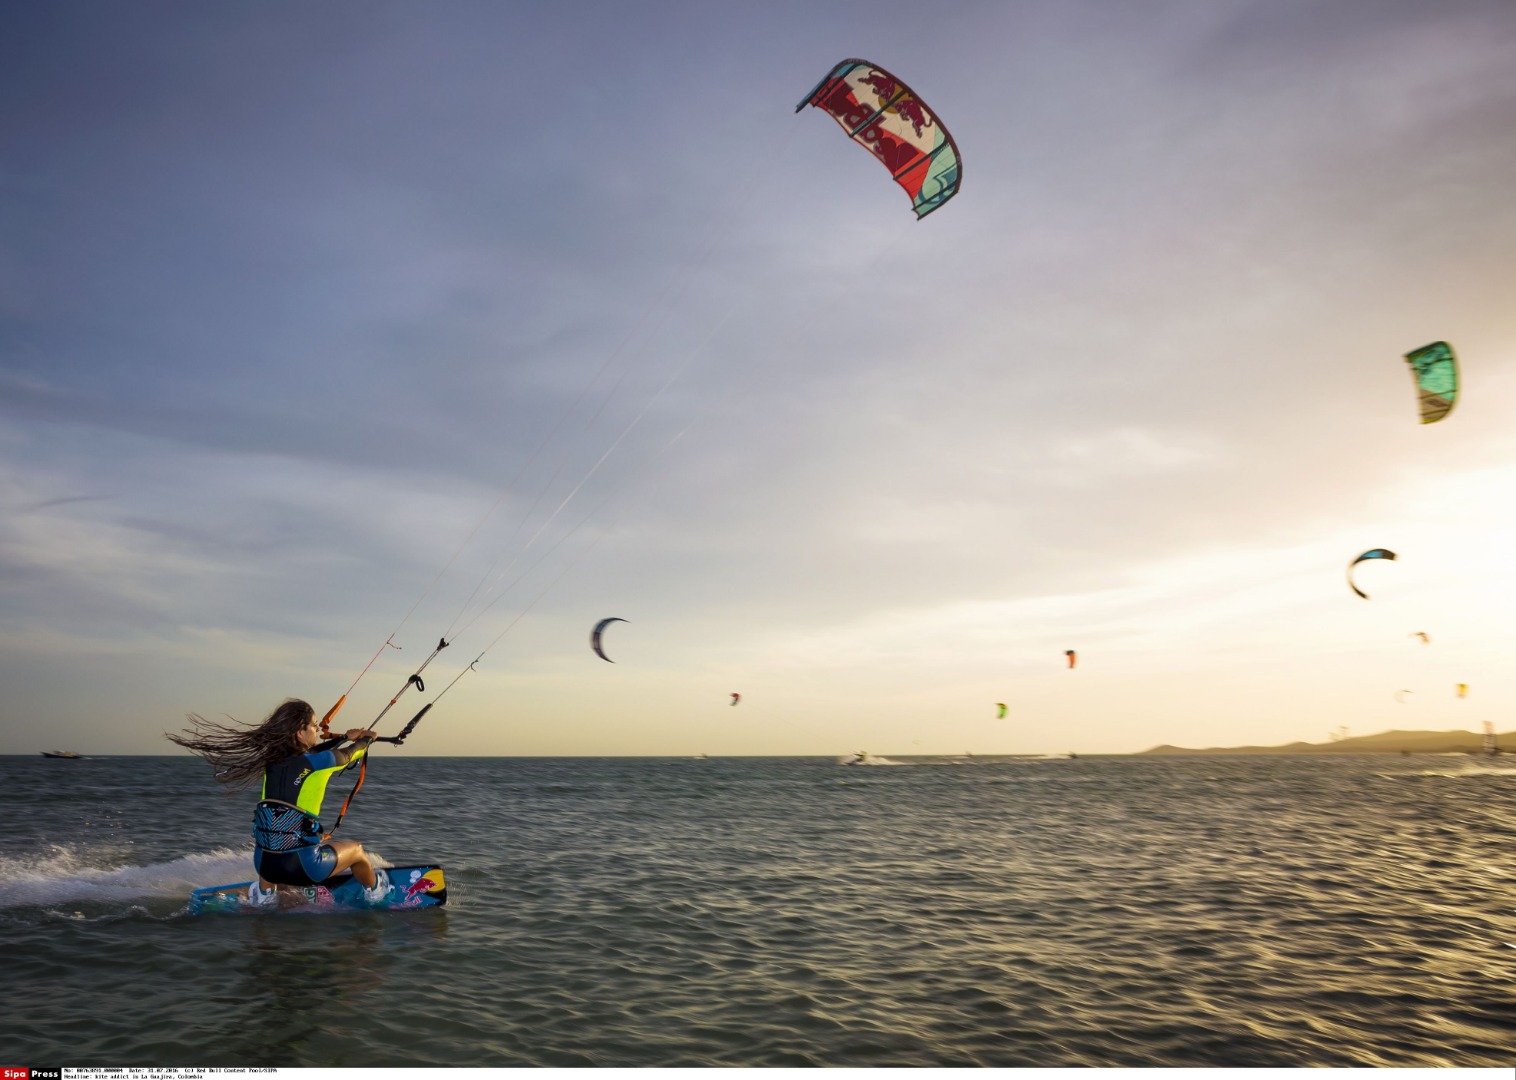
pixel 282 826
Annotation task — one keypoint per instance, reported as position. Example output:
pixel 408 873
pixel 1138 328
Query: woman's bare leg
pixel 351 856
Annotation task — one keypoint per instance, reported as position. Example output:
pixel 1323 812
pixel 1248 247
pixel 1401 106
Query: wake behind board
pixel 413 887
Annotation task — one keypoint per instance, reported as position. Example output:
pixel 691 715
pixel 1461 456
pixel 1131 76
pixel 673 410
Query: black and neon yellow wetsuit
pixel 287 820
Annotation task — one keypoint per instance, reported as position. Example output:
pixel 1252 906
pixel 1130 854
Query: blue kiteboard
pixel 412 887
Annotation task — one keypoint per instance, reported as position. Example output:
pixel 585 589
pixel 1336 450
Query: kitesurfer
pixel 287 751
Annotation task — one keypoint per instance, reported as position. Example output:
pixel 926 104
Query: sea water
pixel 1132 911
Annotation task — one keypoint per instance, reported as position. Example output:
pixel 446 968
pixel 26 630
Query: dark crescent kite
pixel 1372 553
pixel 595 637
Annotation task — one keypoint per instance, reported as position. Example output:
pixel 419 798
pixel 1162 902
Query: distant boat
pixel 1489 749
pixel 62 754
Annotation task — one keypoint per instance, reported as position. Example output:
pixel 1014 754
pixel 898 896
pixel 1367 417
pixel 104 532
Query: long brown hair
pixel 240 754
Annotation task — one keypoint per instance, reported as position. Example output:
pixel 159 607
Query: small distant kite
pixel 1372 553
pixel 1072 655
pixel 885 117
pixel 1463 689
pixel 1424 639
pixel 736 698
pixel 1399 695
pixel 1435 369
pixel 595 637
pixel 1000 715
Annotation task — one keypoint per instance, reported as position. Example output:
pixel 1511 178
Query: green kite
pixel 1436 371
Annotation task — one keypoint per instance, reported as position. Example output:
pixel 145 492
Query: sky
pixel 329 326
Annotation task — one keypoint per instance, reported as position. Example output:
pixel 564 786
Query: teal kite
pixel 1436 371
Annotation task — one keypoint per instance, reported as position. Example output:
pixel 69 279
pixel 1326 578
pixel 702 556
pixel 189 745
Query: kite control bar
pixel 400 738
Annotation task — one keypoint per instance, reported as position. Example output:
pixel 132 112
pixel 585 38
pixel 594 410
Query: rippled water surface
pixel 1278 911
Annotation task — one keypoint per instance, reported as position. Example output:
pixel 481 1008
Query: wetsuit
pixel 286 823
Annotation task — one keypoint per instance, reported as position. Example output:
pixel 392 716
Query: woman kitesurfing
pixel 287 753
pixel 286 749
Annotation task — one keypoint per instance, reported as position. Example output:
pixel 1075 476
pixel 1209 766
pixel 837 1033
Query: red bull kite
pixel 736 698
pixel 885 117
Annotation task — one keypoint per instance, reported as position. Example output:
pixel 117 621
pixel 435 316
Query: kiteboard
pixel 413 887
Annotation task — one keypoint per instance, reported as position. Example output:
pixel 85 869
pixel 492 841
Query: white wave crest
pixel 69 875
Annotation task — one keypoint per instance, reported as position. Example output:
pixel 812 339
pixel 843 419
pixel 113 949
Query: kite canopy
pixel 1000 705
pixel 1372 553
pixel 1436 371
pixel 736 698
pixel 595 637
pixel 1072 655
pixel 884 116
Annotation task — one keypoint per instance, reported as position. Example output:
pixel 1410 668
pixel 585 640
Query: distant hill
pixel 1388 742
